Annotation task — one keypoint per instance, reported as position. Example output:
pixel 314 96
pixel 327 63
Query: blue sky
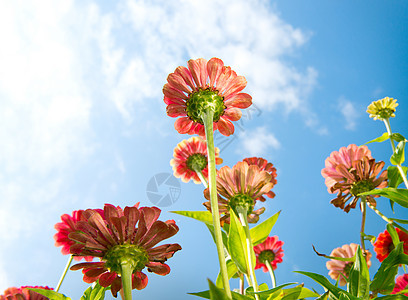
pixel 83 123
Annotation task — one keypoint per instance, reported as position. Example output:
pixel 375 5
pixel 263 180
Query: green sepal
pixel 231 269
pixel 398 157
pixel 260 232
pixel 50 294
pixel 399 196
pixel 359 278
pixel 385 136
pixel 323 281
pixel 383 281
pixel 96 292
pixel 237 244
pixel 394 176
pixel 202 216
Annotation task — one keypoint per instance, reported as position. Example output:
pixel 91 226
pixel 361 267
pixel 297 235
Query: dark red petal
pixel 107 278
pixel 139 280
pixel 158 268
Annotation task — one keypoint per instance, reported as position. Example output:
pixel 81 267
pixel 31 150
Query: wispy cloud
pixel 258 142
pixel 349 112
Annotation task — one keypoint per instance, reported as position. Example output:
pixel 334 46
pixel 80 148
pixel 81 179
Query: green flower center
pixel 197 161
pixel 136 256
pixel 361 187
pixel 266 255
pixel 201 100
pixel 242 200
pixel 385 113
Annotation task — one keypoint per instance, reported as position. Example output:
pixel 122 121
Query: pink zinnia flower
pixel 23 293
pixel 345 156
pixel 264 165
pixel 240 186
pixel 130 234
pixel 190 91
pixel 338 267
pixel 401 284
pixel 384 245
pixel 190 155
pixel 270 250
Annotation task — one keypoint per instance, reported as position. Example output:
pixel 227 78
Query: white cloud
pixel 258 142
pixel 349 112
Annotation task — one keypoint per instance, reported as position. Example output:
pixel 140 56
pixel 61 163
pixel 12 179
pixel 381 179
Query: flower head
pixel 339 269
pixel 130 234
pixel 384 245
pixel 240 186
pixel 382 109
pixel 269 251
pixel 360 178
pixel 345 156
pixel 401 283
pixel 189 92
pixel 191 155
pixel 264 165
pixel 23 293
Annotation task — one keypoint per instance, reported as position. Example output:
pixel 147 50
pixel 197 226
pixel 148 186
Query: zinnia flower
pixel 384 245
pixel 401 284
pixel 382 109
pixel 188 93
pixel 269 251
pixel 338 267
pixel 23 293
pixel 240 186
pixel 264 165
pixel 345 156
pixel 130 234
pixel 360 178
pixel 191 155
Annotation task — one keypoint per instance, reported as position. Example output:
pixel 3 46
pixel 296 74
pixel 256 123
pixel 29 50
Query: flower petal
pixel 225 126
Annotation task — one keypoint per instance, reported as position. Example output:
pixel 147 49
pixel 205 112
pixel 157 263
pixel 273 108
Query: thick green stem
pixel 242 214
pixel 272 273
pixel 386 219
pixel 207 118
pixel 363 219
pixel 64 273
pixel 202 178
pixel 126 276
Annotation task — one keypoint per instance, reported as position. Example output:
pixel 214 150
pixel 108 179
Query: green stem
pixel 399 167
pixel 386 219
pixel 202 178
pixel 126 275
pixel 363 219
pixel 271 272
pixel 241 284
pixel 64 273
pixel 242 214
pixel 208 118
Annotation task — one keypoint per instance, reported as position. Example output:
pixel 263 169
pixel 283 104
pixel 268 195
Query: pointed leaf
pixel 394 235
pixel 359 279
pixel 399 220
pixel 96 292
pixel 394 176
pixel 237 243
pixel 399 196
pixel 216 293
pixel 203 216
pixel 264 294
pixel 223 234
pixel 260 232
pixel 398 157
pixel 380 139
pixel 50 294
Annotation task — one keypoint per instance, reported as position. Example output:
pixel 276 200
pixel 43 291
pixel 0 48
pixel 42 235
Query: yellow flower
pixel 382 109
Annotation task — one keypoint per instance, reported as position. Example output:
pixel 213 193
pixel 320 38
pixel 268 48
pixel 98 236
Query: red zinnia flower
pixel 189 92
pixel 264 165
pixel 131 234
pixel 401 284
pixel 240 186
pixel 23 293
pixel 345 156
pixel 270 250
pixel 384 245
pixel 64 228
pixel 337 267
pixel 191 155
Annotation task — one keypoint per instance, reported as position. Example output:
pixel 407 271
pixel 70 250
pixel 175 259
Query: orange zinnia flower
pixel 384 245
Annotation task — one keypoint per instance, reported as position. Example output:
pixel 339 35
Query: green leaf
pixel 219 292
pixel 223 234
pixel 231 269
pixel 260 232
pixel 203 216
pixel 399 220
pixel 394 235
pixel 323 281
pixel 385 136
pixel 394 176
pixel 397 137
pixel 237 243
pixel 96 292
pixel 324 296
pixel 392 297
pixel 267 293
pixel 383 281
pixel 216 293
pixel 399 196
pixel 359 279
pixel 50 294
pixel 398 157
